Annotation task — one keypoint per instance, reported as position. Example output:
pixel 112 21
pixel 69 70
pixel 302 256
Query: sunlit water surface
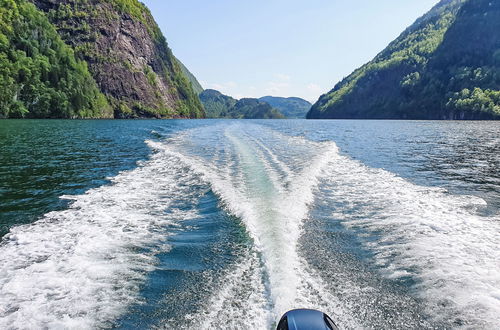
pixel 229 224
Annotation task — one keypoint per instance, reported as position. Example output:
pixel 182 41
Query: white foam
pixel 437 238
pixel 240 300
pixel 80 268
pixel 426 233
pixel 282 166
pixel 273 216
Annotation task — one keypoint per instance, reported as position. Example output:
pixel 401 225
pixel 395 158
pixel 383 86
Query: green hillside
pixel 249 108
pixel 195 84
pixel 218 105
pixel 445 66
pixel 290 107
pixel 39 74
pixel 89 59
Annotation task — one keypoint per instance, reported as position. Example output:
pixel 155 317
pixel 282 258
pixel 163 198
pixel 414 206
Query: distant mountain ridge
pixel 290 107
pixel 445 66
pixel 218 105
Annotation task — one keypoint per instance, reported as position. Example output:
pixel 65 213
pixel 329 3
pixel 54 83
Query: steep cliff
pixel 127 55
pixel 445 66
pixel 39 74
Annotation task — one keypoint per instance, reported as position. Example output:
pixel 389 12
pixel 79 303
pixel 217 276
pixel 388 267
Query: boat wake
pixel 83 267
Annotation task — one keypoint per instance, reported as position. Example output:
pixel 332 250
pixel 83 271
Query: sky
pixel 302 48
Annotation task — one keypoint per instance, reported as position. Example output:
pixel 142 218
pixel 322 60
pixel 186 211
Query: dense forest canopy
pixel 39 74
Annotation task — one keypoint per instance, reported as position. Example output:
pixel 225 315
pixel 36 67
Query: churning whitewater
pixel 321 230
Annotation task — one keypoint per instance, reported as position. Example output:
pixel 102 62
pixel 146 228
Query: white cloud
pixel 227 88
pixel 280 85
pixel 239 96
pixel 283 77
pixel 314 88
pixel 277 88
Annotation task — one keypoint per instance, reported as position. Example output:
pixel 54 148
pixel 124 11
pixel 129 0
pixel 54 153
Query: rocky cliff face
pixel 127 55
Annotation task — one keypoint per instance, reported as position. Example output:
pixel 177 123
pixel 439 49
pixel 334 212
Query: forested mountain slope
pixel 290 107
pixel 39 74
pixel 249 108
pixel 117 41
pixel 195 84
pixel 445 66
pixel 218 105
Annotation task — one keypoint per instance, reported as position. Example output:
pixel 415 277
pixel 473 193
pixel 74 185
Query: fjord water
pixel 228 224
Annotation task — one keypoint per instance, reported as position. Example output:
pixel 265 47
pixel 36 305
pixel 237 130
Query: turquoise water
pixel 227 224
